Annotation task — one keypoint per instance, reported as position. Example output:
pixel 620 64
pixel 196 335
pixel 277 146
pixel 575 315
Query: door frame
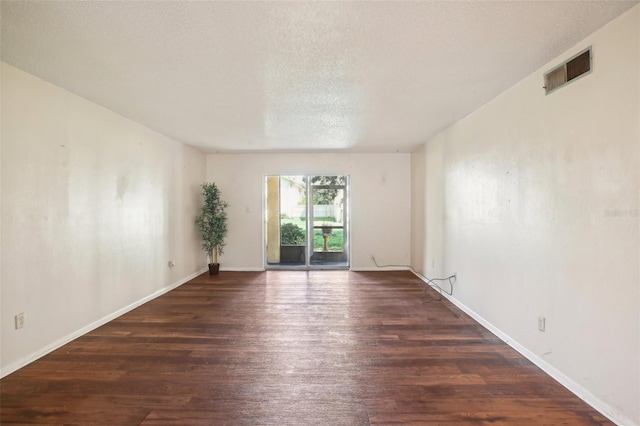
pixel 309 224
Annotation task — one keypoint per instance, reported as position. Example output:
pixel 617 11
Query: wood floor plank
pixel 290 348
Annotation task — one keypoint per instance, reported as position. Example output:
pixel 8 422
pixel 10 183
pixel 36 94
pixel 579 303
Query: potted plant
pixel 212 223
pixel 292 238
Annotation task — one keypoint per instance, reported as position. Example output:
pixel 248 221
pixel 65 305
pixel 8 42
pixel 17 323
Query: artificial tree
pixel 212 223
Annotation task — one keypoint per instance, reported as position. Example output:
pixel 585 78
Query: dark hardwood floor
pixel 290 348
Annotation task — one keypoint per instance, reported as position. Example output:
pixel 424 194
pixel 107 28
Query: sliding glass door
pixel 306 222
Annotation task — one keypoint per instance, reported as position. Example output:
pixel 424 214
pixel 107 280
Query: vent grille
pixel 575 67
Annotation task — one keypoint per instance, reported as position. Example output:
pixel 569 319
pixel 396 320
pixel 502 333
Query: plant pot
pixel 290 253
pixel 214 268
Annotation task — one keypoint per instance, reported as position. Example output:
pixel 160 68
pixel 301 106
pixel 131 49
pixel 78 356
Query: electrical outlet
pixel 542 322
pixel 19 320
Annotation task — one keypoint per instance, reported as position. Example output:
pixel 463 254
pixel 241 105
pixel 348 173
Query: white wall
pixel 427 213
pixel 418 209
pixel 93 208
pixel 380 202
pixel 537 200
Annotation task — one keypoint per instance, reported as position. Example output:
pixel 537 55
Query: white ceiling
pixel 293 76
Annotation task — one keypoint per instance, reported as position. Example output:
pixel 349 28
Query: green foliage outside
pixel 334 243
pixel 288 233
pixel 326 196
pixel 291 234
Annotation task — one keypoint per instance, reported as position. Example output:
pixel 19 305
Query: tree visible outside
pixel 326 196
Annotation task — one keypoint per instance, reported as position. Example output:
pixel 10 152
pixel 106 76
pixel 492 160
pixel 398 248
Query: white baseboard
pixel 581 392
pixel 14 366
pixel 380 269
pixel 234 269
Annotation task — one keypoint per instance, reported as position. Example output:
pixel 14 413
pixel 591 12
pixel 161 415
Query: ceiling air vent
pixel 575 67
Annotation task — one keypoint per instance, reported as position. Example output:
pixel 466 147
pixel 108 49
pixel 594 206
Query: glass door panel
pixel 286 221
pixel 328 195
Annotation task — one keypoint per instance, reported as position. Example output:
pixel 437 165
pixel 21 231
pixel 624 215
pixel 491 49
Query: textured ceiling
pixel 293 76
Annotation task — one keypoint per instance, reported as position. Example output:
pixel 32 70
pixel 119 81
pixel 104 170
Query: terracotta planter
pixel 214 268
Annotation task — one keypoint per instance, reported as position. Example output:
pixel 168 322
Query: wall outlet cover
pixel 19 320
pixel 542 323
